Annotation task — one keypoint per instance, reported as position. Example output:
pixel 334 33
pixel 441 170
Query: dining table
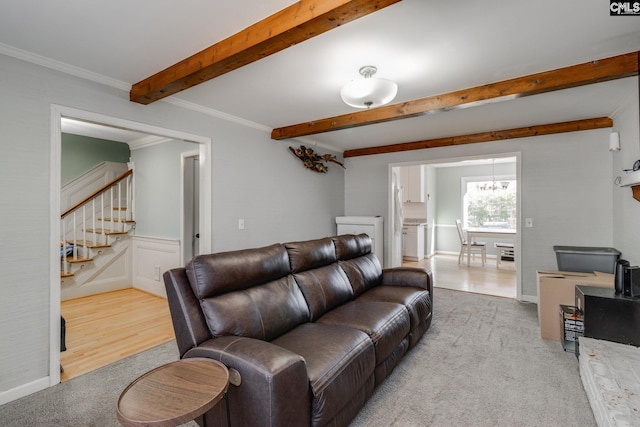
pixel 474 233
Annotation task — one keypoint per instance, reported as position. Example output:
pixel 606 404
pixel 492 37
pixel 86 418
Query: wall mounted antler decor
pixel 314 161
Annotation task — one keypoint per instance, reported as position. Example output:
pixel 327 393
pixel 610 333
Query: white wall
pixel 254 178
pixel 566 187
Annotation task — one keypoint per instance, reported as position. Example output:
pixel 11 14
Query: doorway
pixel 444 204
pixel 204 216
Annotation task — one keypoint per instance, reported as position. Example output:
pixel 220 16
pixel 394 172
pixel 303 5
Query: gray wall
pixel 81 153
pixel 157 181
pixel 253 177
pixel 566 187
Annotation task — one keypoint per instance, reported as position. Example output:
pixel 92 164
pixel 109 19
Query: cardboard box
pixel 558 287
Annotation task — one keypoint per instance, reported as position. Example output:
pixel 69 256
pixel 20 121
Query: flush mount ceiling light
pixel 368 91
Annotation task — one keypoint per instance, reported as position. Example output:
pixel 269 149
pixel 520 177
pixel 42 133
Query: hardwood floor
pixel 104 328
pixel 489 280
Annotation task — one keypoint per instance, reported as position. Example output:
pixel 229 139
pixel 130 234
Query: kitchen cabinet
pixel 412 182
pixel 413 242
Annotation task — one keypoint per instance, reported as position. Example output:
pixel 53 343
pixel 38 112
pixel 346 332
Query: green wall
pixel 81 153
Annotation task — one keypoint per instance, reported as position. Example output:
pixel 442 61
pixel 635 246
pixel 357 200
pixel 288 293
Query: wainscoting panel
pixel 151 258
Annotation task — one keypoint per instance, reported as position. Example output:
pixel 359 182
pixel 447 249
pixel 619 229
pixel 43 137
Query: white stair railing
pixel 84 224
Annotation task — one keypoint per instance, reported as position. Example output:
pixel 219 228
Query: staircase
pixel 93 230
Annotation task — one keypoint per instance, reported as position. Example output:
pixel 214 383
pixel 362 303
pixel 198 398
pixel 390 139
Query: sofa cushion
pixel 324 289
pixel 310 254
pixel 416 300
pixel 263 312
pixel 360 265
pixel 322 282
pixel 350 246
pixel 215 274
pixel 386 323
pixel 340 362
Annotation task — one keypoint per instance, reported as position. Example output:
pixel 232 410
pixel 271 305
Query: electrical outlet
pixel 528 222
pixel 156 273
pixel 241 224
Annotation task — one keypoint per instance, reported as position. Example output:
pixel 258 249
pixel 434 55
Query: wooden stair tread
pixel 90 245
pixel 107 232
pixel 78 259
pixel 127 221
pixel 63 274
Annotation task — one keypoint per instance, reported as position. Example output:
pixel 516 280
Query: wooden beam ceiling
pixel 499 135
pixel 616 67
pixel 294 24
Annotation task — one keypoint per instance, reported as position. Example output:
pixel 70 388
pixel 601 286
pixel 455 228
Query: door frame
pixel 184 238
pixel 206 210
pixel 518 240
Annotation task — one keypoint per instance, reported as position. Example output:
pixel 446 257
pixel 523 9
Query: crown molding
pixel 62 67
pixel 118 84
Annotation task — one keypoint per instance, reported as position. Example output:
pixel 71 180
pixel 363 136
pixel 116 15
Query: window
pixel 488 202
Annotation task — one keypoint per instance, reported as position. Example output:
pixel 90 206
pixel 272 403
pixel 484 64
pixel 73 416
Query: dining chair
pixel 470 248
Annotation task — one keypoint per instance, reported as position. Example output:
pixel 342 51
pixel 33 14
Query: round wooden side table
pixel 174 393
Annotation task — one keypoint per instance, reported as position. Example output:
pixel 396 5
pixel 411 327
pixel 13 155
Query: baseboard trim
pixel 25 390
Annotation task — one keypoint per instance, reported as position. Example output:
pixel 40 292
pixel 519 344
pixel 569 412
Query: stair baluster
pixel 74 220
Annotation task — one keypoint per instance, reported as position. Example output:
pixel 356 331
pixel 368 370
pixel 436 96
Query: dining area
pixel 474 242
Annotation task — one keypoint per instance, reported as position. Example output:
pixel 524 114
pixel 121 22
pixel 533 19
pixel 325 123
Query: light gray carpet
pixel 482 363
pixel 88 400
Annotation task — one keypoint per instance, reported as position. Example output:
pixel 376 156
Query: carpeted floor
pixel 482 363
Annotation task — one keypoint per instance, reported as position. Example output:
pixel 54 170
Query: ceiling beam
pixel 498 135
pixel 616 67
pixel 292 25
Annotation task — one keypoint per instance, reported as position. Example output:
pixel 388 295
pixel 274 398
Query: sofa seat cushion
pixel 339 360
pixel 416 300
pixel 386 323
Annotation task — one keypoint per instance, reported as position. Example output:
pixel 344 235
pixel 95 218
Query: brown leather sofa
pixel 312 327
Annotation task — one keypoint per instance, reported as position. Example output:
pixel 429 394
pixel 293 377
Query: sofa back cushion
pixel 248 293
pixel 310 254
pixel 316 271
pixel 360 266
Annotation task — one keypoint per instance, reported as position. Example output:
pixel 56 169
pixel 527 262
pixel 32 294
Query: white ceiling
pixel 428 47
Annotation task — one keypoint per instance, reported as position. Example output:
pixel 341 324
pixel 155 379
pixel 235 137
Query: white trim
pixel 54 244
pixel 124 86
pixel 25 389
pixel 149 253
pixel 146 141
pixel 183 242
pixel 206 201
pixel 216 113
pixel 57 112
pixel 62 67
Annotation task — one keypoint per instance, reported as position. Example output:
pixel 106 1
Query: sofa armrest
pixel 188 322
pixel 408 276
pixel 274 385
